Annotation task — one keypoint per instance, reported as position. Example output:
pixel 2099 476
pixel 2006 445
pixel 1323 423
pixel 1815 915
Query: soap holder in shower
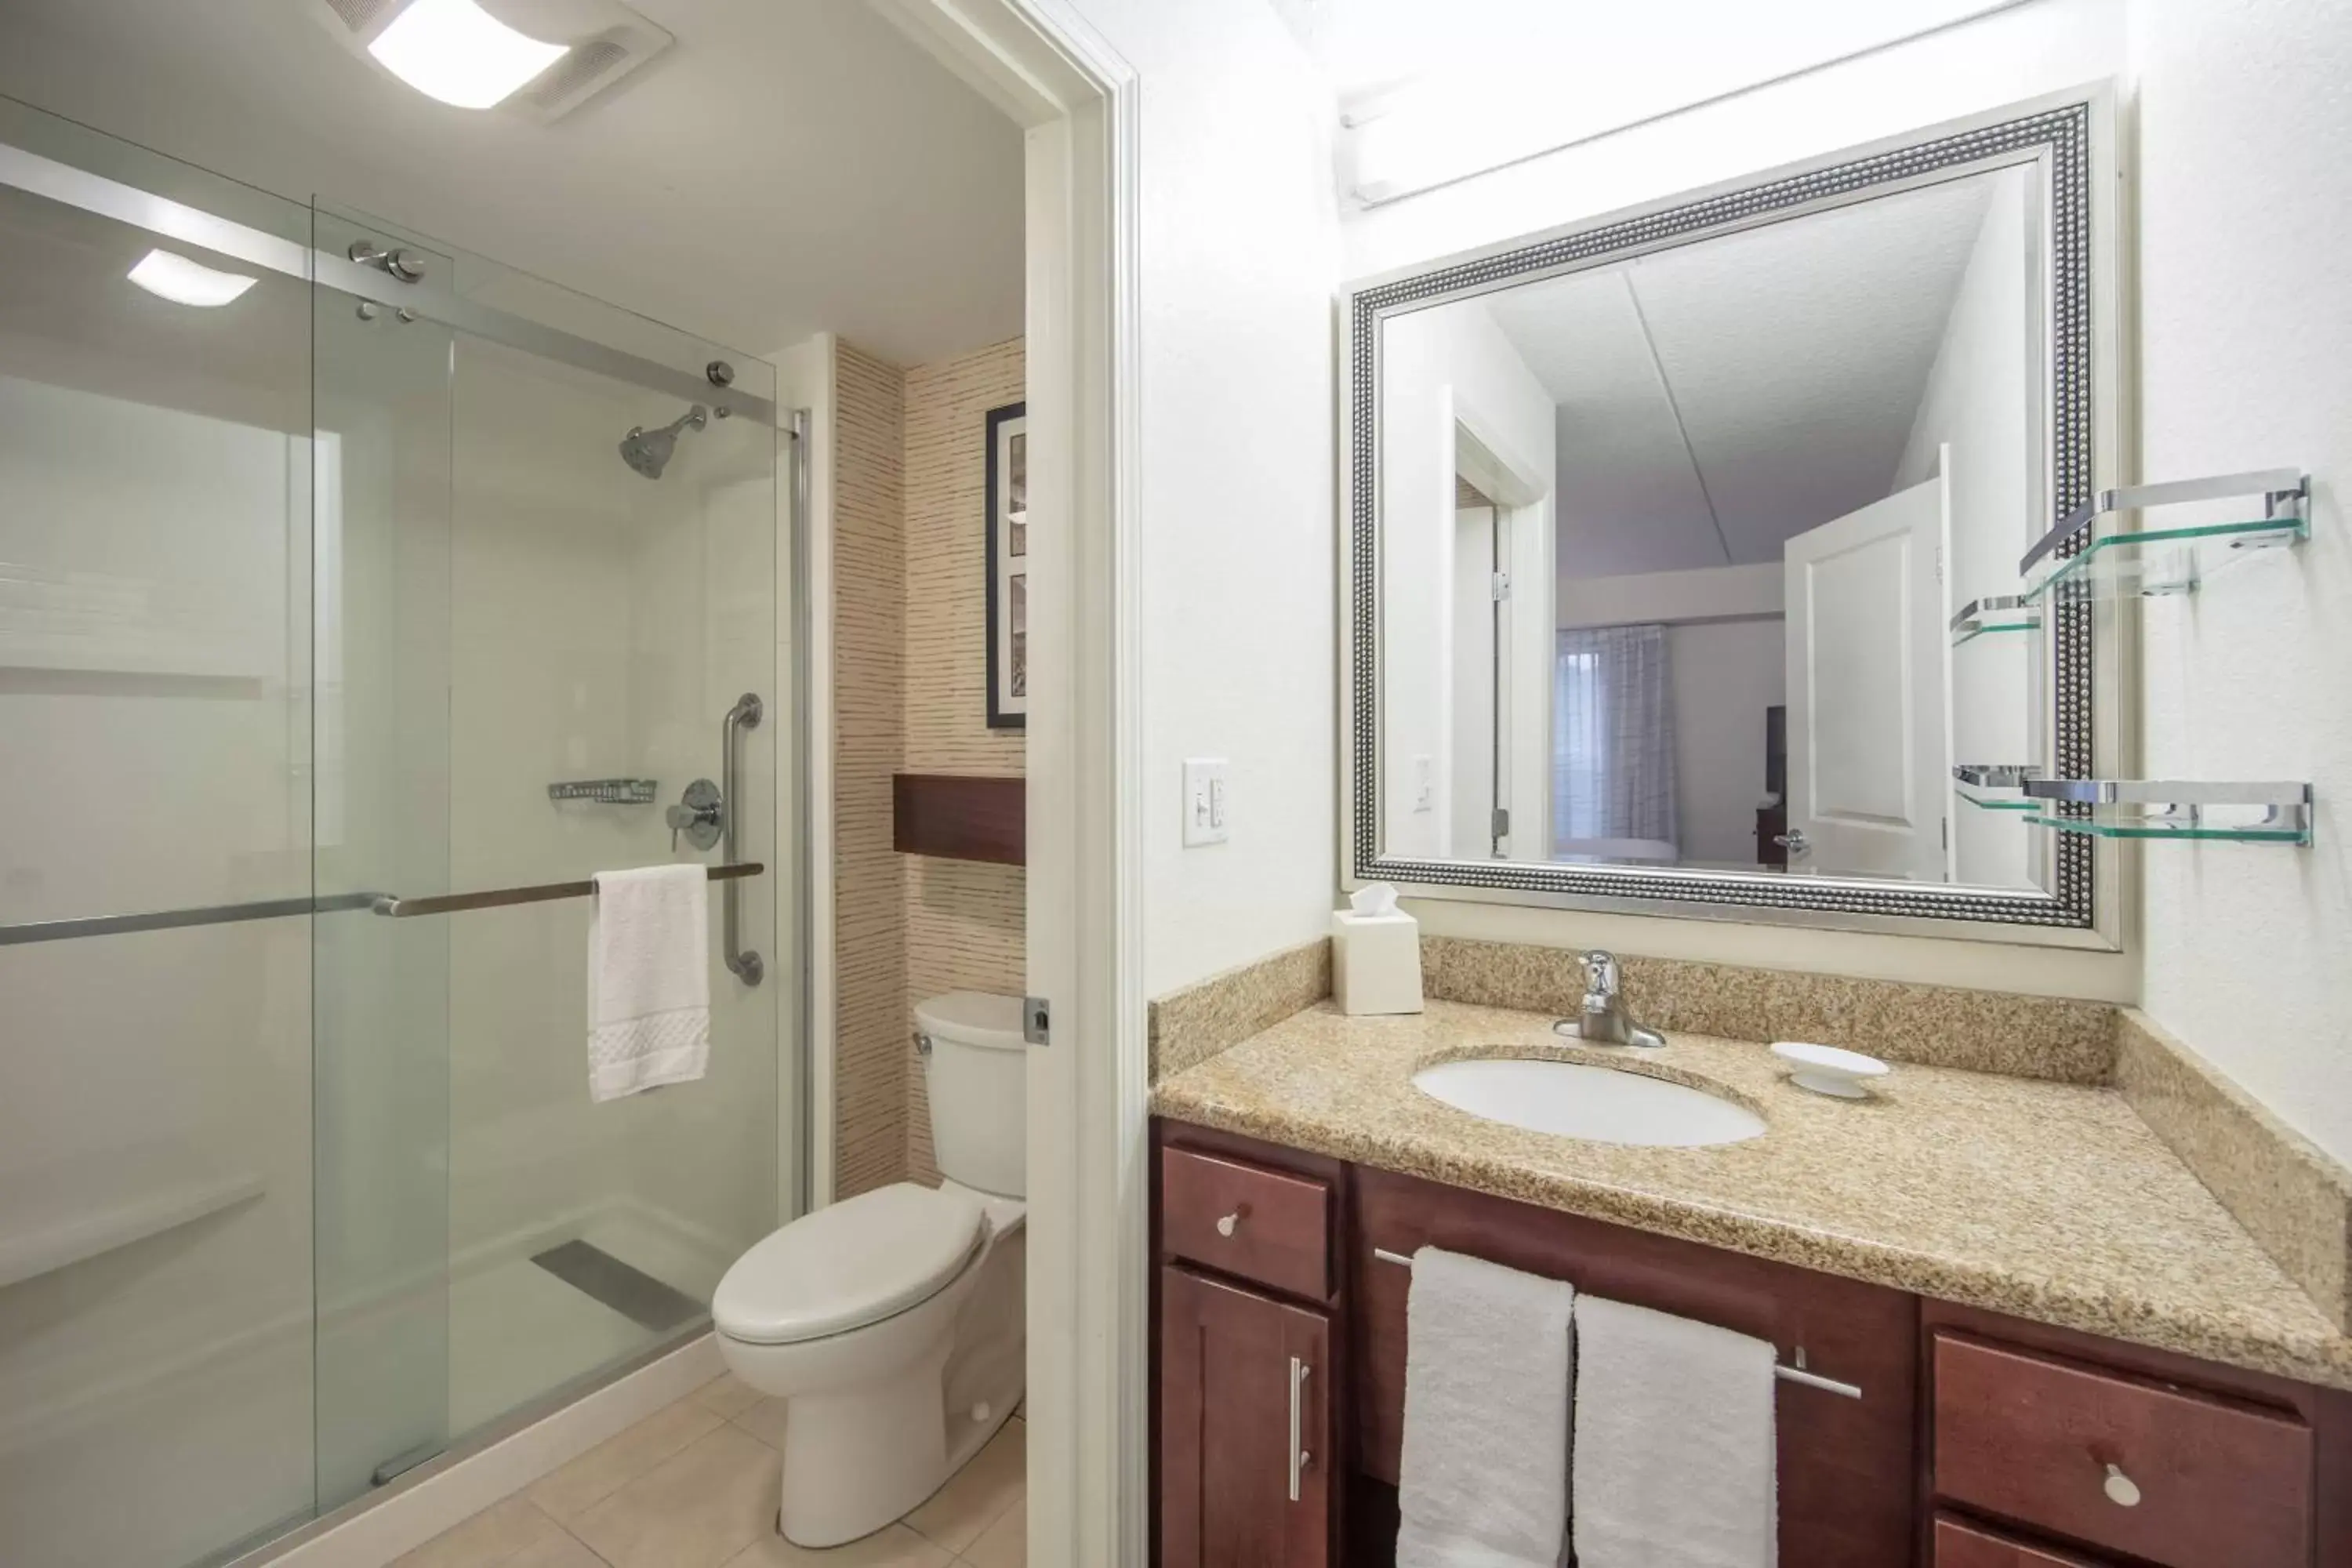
pixel 611 792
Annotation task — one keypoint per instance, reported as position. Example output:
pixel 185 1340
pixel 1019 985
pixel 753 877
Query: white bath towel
pixel 648 979
pixel 1675 1465
pixel 1484 1479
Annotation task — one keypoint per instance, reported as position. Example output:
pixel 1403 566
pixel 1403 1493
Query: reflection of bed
pixel 1654 849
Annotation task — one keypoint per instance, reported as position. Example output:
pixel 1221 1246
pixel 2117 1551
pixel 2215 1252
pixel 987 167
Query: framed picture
pixel 1008 567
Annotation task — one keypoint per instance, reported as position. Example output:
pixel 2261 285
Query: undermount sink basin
pixel 1574 1100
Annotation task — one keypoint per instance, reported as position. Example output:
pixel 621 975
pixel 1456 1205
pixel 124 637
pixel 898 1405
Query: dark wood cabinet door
pixel 1961 1544
pixel 1239 1374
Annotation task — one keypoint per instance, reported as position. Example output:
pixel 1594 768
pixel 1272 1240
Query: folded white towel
pixel 1484 1479
pixel 648 979
pixel 1675 1465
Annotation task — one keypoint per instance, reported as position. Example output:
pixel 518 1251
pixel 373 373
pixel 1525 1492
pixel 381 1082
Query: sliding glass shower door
pixel 546 548
pixel 340 641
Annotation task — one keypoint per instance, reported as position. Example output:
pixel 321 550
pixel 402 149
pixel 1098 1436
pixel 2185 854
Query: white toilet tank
pixel 976 1076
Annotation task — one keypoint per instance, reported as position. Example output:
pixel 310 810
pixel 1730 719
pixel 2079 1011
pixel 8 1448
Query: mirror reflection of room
pixel 1704 516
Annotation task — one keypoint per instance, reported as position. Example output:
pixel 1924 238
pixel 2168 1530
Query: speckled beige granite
pixel 2049 1200
pixel 1191 1025
pixel 2290 1197
pixel 1936 1026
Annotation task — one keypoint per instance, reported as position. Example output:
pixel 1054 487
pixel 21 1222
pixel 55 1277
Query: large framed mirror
pixel 1684 547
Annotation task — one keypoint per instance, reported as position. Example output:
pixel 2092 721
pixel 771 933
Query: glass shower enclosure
pixel 360 599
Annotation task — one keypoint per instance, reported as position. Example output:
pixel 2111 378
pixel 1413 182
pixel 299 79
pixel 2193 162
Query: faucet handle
pixel 1599 973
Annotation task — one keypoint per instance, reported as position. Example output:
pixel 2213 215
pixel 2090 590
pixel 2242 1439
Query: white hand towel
pixel 1484 1479
pixel 1675 1465
pixel 648 979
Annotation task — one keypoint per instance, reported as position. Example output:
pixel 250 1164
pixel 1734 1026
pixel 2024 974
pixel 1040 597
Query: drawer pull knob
pixel 2121 1489
pixel 1231 1222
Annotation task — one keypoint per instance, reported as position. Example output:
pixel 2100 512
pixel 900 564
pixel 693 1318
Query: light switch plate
pixel 1208 801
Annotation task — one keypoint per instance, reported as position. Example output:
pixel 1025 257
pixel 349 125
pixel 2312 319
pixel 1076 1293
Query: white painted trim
pixel 1088 1095
pixel 805 380
pixel 382 1530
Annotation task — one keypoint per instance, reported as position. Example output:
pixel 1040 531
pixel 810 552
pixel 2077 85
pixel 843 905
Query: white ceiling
pixel 1716 399
pixel 790 166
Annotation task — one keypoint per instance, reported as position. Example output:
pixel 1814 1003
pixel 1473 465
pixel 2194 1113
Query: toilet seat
pixel 854 1264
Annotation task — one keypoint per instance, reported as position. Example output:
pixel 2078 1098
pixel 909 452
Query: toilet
pixel 893 1322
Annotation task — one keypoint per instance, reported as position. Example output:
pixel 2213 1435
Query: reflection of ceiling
pixel 790 166
pixel 1718 399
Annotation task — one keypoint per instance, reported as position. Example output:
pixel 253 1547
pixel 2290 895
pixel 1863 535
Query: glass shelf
pixel 2107 562
pixel 1995 787
pixel 2154 808
pixel 2157 563
pixel 1994 614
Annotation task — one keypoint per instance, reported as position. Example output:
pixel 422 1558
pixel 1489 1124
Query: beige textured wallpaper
pixel 870 737
pixel 909 648
pixel 963 918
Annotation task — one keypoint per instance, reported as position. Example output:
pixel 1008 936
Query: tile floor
pixel 694 1486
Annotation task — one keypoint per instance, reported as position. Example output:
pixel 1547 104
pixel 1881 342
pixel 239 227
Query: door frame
pixel 1088 1092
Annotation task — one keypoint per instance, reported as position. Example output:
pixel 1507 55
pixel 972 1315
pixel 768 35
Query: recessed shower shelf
pixel 2156 563
pixel 1994 614
pixel 2161 808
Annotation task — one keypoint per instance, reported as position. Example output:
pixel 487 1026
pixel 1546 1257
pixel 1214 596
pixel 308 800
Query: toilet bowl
pixel 892 1322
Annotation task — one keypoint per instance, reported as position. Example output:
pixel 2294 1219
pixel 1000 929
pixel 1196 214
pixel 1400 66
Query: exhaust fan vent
pixel 360 15
pixel 593 65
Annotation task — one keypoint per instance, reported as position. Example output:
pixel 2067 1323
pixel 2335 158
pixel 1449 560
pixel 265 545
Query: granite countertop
pixel 2047 1201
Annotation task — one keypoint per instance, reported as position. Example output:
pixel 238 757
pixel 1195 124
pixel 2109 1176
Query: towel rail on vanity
pixel 1796 1374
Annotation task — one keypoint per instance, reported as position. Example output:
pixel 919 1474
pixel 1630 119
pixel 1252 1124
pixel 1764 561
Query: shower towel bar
pixel 277 909
pixel 1797 1373
pixel 499 897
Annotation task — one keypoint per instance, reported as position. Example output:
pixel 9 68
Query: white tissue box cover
pixel 1376 962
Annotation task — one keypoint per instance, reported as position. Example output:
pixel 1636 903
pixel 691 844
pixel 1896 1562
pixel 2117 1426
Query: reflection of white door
pixel 1866 770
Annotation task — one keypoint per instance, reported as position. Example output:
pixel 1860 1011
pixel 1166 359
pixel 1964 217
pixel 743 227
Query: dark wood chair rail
pixel 960 817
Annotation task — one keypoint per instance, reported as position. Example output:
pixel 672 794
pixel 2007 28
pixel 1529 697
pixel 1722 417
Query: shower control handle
pixel 700 814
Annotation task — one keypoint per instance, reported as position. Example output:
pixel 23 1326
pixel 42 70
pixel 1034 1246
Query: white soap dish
pixel 1825 1069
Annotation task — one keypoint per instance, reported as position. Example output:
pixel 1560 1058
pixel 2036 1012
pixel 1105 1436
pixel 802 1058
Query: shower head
pixel 648 451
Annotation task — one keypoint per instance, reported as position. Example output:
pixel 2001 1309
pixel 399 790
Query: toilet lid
pixel 858 1262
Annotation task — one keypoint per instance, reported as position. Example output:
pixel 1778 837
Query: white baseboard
pixel 412 1515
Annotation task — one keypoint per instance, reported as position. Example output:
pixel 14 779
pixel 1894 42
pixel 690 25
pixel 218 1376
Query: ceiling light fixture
pixel 183 282
pixel 455 51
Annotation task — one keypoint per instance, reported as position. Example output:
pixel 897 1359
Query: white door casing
pixel 1868 781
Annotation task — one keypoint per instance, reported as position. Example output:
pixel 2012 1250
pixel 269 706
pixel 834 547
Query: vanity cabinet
pixel 1978 1440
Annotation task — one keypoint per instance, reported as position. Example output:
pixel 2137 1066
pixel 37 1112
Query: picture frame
pixel 1007 555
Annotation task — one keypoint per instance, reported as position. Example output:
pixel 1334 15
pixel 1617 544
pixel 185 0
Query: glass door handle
pixel 744 964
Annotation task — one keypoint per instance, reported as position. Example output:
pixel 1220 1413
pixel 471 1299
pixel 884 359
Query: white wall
pixel 2244 275
pixel 1441 370
pixel 1238 259
pixel 1980 65
pixel 1982 401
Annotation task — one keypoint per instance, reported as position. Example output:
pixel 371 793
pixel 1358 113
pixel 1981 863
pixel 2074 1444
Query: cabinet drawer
pixel 1245 1220
pixel 1960 1544
pixel 2217 1484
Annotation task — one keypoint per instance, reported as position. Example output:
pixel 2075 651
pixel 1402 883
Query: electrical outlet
pixel 1207 802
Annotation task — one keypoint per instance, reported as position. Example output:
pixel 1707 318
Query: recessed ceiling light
pixel 182 282
pixel 455 51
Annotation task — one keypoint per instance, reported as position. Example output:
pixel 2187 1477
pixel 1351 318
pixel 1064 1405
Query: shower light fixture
pixel 455 51
pixel 183 282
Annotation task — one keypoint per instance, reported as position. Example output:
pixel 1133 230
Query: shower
pixel 648 451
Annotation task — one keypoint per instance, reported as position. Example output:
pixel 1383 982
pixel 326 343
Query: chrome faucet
pixel 1604 1020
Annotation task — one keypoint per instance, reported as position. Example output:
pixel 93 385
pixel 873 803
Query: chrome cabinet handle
pixel 2121 1489
pixel 745 964
pixel 1299 1458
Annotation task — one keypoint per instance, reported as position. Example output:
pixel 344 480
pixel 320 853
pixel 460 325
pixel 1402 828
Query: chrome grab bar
pixel 277 909
pixel 1797 1373
pixel 744 964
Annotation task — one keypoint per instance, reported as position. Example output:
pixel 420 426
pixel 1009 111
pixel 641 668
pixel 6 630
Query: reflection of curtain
pixel 1612 766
